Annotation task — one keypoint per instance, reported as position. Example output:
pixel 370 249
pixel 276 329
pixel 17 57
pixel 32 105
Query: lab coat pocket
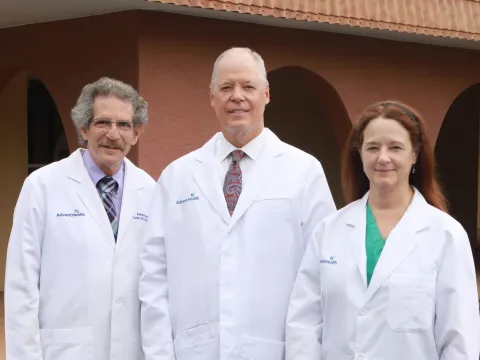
pixel 67 344
pixel 263 349
pixel 411 302
pixel 197 343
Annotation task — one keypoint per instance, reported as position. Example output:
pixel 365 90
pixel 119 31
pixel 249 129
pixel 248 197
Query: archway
pixel 307 112
pixel 457 153
pixel 46 136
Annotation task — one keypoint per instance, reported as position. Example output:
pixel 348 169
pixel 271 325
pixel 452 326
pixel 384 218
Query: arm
pixel 317 200
pixel 304 318
pixel 457 324
pixel 22 334
pixel 156 329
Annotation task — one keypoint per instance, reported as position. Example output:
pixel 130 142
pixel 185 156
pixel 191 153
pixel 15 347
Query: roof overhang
pixel 18 13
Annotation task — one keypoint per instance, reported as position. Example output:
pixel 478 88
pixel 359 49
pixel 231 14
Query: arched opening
pixel 46 137
pixel 457 152
pixel 307 112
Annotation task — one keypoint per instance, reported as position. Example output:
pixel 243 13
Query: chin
pixel 384 184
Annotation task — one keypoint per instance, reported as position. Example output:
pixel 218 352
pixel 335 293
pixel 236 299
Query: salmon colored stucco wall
pixel 66 55
pixel 177 54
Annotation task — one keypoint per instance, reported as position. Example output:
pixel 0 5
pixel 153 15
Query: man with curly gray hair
pixel 71 287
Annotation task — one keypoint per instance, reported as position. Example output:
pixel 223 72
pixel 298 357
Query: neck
pixel 240 139
pixel 110 171
pixel 390 199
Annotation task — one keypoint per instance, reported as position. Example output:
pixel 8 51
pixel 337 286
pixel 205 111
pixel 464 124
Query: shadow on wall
pixel 307 112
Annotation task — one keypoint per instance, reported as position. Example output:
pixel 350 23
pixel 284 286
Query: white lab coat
pixel 229 278
pixel 71 293
pixel 421 302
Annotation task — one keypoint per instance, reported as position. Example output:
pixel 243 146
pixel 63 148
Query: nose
pixel 383 156
pixel 237 94
pixel 113 132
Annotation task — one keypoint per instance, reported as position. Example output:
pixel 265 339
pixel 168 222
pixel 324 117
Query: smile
pixel 110 147
pixel 238 111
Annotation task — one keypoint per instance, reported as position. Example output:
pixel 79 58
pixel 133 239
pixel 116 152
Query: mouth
pixel 111 147
pixel 237 111
pixel 384 170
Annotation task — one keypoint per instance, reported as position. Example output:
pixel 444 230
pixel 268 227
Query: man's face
pixel 111 133
pixel 239 95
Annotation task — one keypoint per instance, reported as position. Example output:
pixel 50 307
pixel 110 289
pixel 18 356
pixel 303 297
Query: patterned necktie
pixel 106 187
pixel 232 186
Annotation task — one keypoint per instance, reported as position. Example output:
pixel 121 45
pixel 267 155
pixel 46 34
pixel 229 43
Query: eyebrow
pixel 230 82
pixel 390 142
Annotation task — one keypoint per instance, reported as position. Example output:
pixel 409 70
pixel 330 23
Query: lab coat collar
pixel 86 191
pixel 262 174
pixel 400 243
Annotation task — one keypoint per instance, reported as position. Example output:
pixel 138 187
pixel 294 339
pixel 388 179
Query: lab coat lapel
pixel 400 243
pixel 88 194
pixel 210 186
pixel 131 189
pixel 356 219
pixel 262 174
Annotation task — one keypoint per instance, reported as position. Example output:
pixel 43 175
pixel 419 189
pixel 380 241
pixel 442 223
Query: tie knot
pixel 237 155
pixel 107 184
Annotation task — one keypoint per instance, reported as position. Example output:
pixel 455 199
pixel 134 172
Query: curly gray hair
pixel 82 113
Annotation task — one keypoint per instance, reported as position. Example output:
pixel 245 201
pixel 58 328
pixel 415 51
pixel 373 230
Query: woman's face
pixel 387 154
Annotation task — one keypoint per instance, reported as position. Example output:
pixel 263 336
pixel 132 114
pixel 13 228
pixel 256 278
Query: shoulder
pixel 181 166
pixel 347 212
pixel 337 220
pixel 141 174
pixel 294 156
pixel 446 223
pixel 49 174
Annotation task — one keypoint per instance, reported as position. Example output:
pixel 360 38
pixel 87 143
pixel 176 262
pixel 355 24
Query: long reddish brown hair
pixel 354 181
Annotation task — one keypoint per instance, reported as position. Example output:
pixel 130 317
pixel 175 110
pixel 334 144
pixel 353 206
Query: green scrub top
pixel 373 243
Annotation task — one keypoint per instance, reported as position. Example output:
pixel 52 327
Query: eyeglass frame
pixel 94 123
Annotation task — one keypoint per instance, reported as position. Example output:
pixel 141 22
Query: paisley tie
pixel 232 186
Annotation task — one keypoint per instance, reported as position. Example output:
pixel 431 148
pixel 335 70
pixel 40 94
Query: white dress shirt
pixel 253 151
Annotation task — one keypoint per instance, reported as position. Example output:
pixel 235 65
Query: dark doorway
pixel 457 153
pixel 46 138
pixel 307 112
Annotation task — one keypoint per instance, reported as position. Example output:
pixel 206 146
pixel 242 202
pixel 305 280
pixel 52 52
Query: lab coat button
pixel 363 312
pixel 118 301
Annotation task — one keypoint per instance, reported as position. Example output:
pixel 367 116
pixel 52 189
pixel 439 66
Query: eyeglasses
pixel 106 124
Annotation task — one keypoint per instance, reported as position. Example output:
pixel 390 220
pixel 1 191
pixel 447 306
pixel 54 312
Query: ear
pixel 267 94
pixel 211 98
pixel 84 134
pixel 414 158
pixel 137 130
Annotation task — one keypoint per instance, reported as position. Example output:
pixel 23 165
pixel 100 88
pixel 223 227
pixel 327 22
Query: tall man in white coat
pixel 73 262
pixel 228 228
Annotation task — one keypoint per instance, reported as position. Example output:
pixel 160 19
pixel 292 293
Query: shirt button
pixel 363 312
pixel 360 357
pixel 118 301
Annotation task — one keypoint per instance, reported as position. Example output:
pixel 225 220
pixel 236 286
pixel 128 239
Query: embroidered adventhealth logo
pixel 140 216
pixel 75 212
pixel 190 198
pixel 331 261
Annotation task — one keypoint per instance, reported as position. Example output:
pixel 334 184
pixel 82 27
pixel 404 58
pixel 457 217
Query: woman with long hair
pixel 391 275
